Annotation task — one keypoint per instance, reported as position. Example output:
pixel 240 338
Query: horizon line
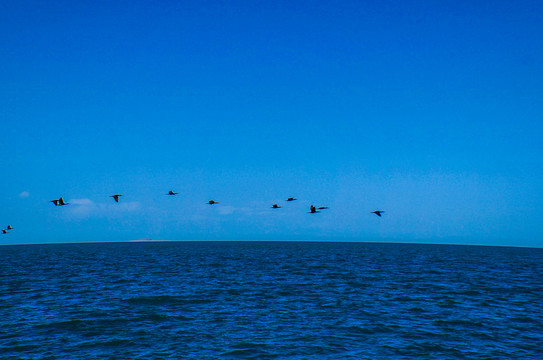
pixel 320 241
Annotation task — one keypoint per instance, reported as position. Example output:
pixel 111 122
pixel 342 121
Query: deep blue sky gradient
pixel 431 111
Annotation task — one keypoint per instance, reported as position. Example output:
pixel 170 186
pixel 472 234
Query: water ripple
pixel 265 300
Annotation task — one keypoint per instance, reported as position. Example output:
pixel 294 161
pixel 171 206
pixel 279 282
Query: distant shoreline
pixel 149 240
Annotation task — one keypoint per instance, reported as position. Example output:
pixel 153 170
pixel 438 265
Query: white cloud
pixel 226 210
pixel 85 208
pixel 84 202
pixel 24 195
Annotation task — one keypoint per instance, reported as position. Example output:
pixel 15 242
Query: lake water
pixel 270 300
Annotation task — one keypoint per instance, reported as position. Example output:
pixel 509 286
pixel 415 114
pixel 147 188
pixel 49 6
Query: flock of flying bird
pixel 312 209
pixel 5 231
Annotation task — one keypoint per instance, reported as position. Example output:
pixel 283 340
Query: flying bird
pixel 275 206
pixel 4 231
pixel 116 197
pixel 9 227
pixel 61 202
pixel 291 199
pixel 211 202
pixel 378 212
pixel 312 210
pixel 172 193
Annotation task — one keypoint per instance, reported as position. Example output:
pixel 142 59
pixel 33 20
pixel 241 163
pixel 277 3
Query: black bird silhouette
pixel 9 227
pixel 54 202
pixel 378 212
pixel 116 197
pixel 211 202
pixel 291 199
pixel 275 206
pixel 322 207
pixel 61 202
pixel 4 231
pixel 312 210
pixel 172 193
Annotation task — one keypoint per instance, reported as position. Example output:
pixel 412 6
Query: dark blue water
pixel 270 300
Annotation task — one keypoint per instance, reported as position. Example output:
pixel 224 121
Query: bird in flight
pixel 4 231
pixel 378 212
pixel 116 197
pixel 313 210
pixel 211 202
pixel 172 193
pixel 9 227
pixel 291 199
pixel 275 206
pixel 59 202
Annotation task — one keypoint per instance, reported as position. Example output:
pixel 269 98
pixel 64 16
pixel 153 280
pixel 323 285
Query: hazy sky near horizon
pixel 429 110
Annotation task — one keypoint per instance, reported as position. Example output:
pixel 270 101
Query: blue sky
pixel 431 111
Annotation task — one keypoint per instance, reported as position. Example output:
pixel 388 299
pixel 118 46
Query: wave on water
pixel 167 300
